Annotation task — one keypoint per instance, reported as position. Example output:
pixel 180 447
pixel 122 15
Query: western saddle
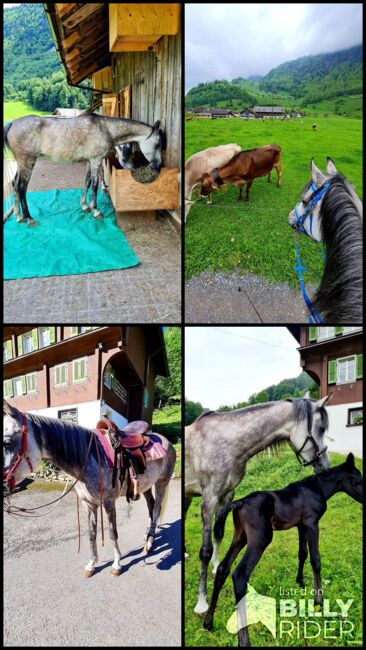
pixel 129 445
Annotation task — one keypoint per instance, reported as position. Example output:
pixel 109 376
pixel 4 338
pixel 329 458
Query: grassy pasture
pixel 340 552
pixel 15 109
pixel 256 237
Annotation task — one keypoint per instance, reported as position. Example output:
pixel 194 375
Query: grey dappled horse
pixel 65 444
pixel 331 212
pixel 88 137
pixel 219 444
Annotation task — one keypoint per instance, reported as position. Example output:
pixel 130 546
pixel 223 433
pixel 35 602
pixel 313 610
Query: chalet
pixel 268 111
pixel 131 54
pixel 203 112
pixel 332 356
pixel 79 373
pixel 247 114
pixel 67 112
pixel 220 112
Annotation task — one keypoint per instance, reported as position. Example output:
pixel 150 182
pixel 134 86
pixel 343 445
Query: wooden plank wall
pixel 155 78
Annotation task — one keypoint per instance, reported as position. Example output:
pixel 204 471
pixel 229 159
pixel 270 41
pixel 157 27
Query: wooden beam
pixel 84 74
pixel 75 53
pixel 96 56
pixel 63 8
pixel 80 14
pixel 70 40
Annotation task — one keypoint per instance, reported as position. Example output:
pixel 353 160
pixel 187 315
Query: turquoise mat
pixel 66 240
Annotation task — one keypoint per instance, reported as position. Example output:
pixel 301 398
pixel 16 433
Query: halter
pixel 8 475
pixel 318 452
pixel 317 194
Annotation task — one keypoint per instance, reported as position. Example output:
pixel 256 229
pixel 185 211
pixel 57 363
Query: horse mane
pixel 339 296
pixel 303 410
pixel 65 441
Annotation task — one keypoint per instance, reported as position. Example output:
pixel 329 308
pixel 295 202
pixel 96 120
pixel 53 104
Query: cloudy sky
pixel 224 41
pixel 225 365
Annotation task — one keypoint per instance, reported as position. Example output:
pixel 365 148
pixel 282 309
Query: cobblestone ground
pixel 150 292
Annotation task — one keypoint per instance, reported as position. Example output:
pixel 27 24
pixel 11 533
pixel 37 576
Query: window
pixel 75 330
pixel 19 387
pixel 355 417
pixel 46 336
pixel 8 388
pixel 69 414
pixel 27 343
pixel 80 370
pixel 7 351
pixel 61 375
pixel 326 333
pixel 346 370
pixel 348 330
pixel 31 382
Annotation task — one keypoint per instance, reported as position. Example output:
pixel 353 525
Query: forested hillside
pixel 32 71
pixel 212 93
pixel 286 388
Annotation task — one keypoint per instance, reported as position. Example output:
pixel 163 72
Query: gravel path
pixel 149 292
pixel 48 602
pixel 235 298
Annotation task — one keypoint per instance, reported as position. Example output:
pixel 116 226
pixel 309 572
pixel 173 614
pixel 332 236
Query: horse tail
pixel 9 173
pixel 220 522
pixel 163 505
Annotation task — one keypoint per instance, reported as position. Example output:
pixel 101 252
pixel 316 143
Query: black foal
pixel 256 516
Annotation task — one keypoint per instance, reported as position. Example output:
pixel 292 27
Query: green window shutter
pixel 52 334
pixel 8 388
pixel 332 371
pixel 359 368
pixel 35 339
pixel 338 330
pixel 313 333
pixel 20 345
pixel 24 385
pixel 57 375
pixel 9 349
pixel 74 330
pixel 76 370
pixel 89 327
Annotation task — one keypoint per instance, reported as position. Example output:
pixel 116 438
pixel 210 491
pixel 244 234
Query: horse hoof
pixel 186 556
pixel 98 215
pixel 85 208
pixel 201 609
pixel 20 219
pixel 116 572
pixel 88 574
pixel 32 223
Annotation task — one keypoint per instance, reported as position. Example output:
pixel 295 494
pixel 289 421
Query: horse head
pixel 307 437
pixel 153 146
pixel 351 479
pixel 20 451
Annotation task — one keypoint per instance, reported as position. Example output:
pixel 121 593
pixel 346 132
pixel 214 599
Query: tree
pixel 169 389
pixel 191 411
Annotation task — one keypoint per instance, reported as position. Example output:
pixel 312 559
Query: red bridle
pixel 8 476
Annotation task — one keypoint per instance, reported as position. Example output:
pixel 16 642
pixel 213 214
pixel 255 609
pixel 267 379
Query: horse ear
pixel 350 461
pixel 324 400
pixel 9 409
pixel 306 395
pixel 331 168
pixel 316 175
pixel 157 125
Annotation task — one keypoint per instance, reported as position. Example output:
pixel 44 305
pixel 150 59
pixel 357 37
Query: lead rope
pixel 100 490
pixel 314 316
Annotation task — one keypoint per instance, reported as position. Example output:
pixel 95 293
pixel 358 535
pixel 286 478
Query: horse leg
pixel 17 212
pixel 150 504
pixel 187 503
pixel 110 509
pixel 303 553
pixel 95 167
pixel 249 185
pixel 160 487
pixel 218 538
pixel 223 570
pixel 25 172
pixel 208 507
pixel 83 202
pixel 92 524
pixel 312 534
pixel 258 539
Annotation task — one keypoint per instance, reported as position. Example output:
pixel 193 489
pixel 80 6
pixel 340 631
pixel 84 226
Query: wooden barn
pixel 132 55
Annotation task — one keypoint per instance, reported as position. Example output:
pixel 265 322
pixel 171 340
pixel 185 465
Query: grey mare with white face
pixel 88 137
pixel 331 212
pixel 219 444
pixel 66 445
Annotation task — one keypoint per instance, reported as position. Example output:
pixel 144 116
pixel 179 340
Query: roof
pixel 219 111
pixel 67 112
pixel 268 109
pixel 81 35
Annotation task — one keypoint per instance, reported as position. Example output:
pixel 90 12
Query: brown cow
pixel 243 168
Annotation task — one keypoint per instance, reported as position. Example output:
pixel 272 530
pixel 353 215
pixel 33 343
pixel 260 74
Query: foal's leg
pixel 303 553
pixel 218 539
pixel 83 202
pixel 110 509
pixel 150 504
pixel 312 534
pixel 92 524
pixel 22 181
pixel 95 168
pixel 258 539
pixel 208 506
pixel 223 570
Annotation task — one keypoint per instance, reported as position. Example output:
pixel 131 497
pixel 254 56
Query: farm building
pixel 80 373
pixel 268 111
pixel 203 112
pixel 221 112
pixel 247 113
pixel 132 55
pixel 67 112
pixel 332 356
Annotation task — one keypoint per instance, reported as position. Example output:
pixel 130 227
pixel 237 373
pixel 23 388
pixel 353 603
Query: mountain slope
pixel 211 93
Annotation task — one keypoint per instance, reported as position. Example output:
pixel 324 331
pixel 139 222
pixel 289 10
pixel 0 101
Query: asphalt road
pixel 48 602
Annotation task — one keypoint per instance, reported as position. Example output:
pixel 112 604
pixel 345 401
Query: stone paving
pixel 149 292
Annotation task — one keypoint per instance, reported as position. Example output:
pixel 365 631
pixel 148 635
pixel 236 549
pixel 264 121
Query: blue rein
pixel 314 316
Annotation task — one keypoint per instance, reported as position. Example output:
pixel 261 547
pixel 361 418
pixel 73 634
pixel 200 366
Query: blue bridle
pixel 318 193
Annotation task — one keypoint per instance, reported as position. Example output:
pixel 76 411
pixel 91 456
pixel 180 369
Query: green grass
pixel 340 551
pixel 15 109
pixel 255 237
pixel 168 422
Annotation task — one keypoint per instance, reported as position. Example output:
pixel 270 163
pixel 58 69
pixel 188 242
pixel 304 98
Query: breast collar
pixel 216 176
